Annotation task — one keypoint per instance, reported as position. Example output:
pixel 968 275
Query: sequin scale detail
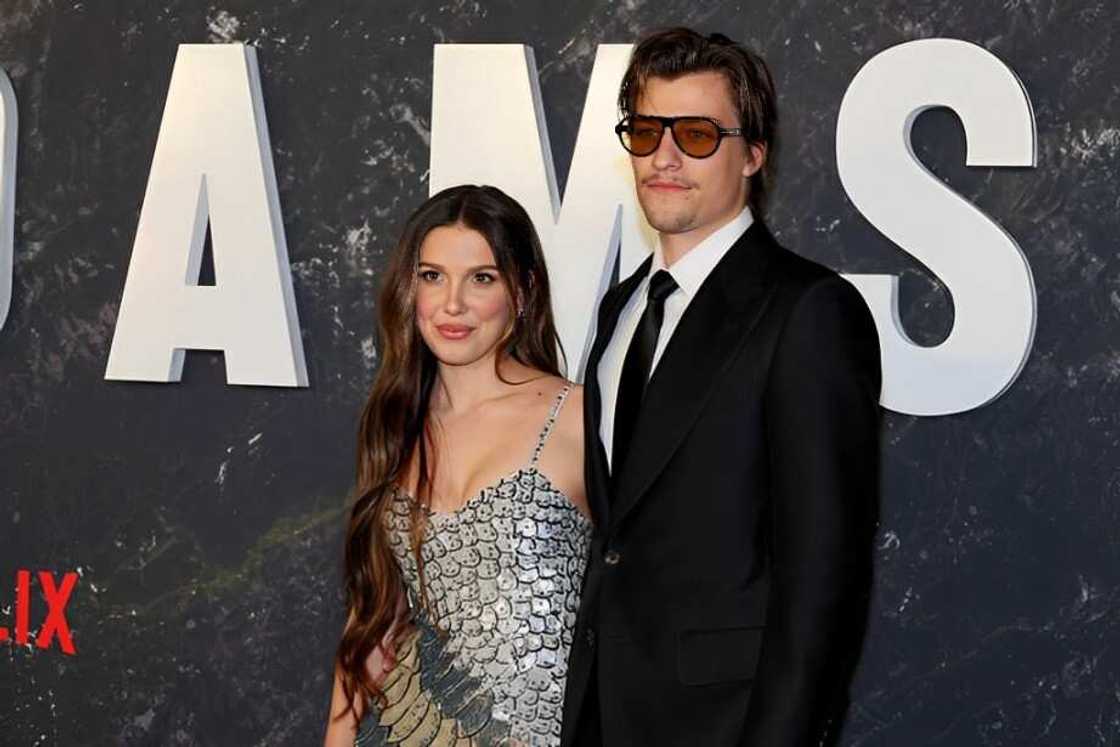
pixel 503 574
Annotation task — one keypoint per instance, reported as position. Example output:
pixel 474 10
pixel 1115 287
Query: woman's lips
pixel 453 331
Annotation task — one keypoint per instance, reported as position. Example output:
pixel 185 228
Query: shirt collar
pixel 693 268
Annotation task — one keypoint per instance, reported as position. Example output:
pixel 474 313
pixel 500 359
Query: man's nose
pixel 667 155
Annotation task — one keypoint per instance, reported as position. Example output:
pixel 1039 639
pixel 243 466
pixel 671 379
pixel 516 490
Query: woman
pixel 466 546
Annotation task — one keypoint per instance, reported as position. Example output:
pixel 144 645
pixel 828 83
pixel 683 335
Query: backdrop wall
pixel 205 520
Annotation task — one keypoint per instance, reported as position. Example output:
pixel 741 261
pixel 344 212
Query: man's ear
pixel 756 157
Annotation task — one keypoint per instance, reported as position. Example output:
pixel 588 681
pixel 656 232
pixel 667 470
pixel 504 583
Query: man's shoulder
pixel 815 289
pixel 796 271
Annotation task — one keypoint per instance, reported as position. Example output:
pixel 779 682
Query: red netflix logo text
pixel 55 625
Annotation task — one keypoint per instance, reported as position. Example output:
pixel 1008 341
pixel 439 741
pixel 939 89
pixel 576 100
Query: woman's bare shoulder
pixel 549 386
pixel 573 404
pixel 568 429
pixel 569 421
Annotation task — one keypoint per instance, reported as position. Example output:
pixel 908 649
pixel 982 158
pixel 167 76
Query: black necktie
pixel 635 369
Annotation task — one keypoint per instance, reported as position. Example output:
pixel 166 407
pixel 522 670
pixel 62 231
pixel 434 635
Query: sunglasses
pixel 698 137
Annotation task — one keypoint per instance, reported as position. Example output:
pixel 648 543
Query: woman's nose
pixel 453 303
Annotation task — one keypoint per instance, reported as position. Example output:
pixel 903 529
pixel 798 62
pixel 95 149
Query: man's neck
pixel 674 246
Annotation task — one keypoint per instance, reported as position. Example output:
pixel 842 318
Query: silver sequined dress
pixel 503 577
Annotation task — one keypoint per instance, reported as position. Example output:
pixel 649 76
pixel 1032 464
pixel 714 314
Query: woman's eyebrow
pixel 435 266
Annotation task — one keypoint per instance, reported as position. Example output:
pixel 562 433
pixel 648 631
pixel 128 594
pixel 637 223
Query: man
pixel 732 419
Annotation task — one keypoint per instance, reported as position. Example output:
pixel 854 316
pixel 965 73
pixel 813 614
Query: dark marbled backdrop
pixel 206 519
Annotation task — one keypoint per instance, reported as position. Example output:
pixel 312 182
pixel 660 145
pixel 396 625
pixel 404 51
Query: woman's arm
pixel 562 458
pixel 341 732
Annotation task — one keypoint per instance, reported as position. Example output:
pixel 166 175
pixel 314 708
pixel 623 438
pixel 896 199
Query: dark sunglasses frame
pixel 667 123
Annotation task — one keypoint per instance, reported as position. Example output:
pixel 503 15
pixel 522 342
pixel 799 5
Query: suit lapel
pixel 713 329
pixel 614 301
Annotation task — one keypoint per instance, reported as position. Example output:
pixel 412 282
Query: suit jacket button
pixel 612 557
pixel 589 636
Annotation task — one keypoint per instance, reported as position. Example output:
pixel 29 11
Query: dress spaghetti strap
pixel 543 437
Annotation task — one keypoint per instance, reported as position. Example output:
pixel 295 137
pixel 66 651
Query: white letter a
pixel 212 164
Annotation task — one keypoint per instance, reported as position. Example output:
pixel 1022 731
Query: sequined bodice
pixel 503 576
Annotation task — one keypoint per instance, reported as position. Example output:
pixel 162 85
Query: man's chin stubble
pixel 671 223
pixel 668 221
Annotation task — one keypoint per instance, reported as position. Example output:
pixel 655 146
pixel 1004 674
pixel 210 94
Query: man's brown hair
pixel 674 52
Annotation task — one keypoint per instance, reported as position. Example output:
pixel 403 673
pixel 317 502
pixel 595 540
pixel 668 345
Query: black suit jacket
pixel 727 590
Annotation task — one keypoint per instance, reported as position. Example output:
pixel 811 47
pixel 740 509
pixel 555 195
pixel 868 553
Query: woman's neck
pixel 460 388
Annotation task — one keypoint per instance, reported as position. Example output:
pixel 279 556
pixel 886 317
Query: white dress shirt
pixel 689 272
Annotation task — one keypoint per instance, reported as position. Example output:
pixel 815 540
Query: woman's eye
pixel 484 278
pixel 429 276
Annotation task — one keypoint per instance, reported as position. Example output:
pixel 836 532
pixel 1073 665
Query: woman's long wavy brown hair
pixel 394 422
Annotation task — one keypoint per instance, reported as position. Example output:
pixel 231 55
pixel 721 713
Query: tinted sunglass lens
pixel 642 136
pixel 696 137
